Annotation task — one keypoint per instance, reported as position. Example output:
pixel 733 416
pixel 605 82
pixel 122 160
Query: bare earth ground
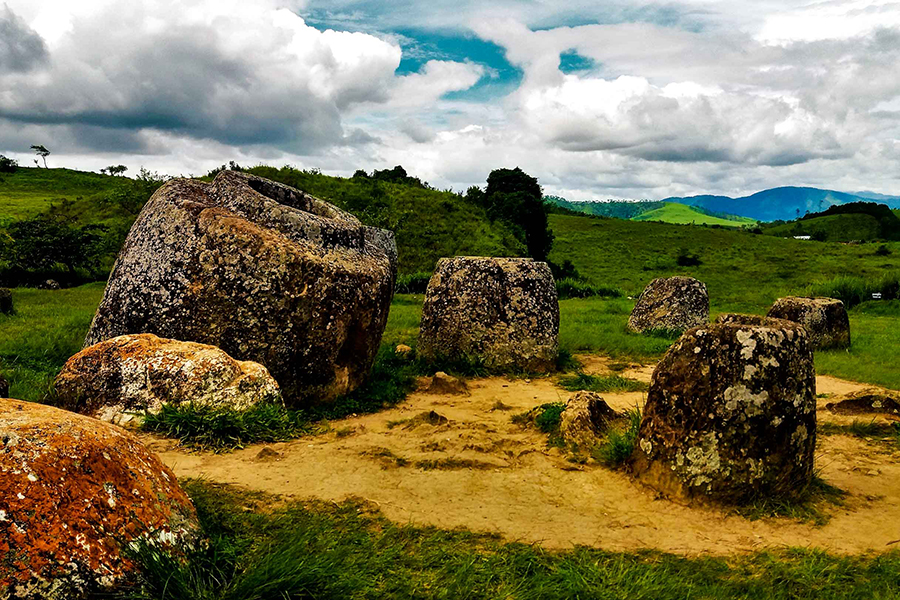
pixel 481 472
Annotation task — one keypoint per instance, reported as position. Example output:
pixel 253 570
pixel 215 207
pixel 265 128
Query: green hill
pixel 428 224
pixel 857 221
pixel 744 271
pixel 673 212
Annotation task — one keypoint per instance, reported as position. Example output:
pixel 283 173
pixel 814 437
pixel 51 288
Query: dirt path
pixel 479 471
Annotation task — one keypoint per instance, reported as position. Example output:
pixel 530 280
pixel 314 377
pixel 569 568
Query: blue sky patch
pixel 572 62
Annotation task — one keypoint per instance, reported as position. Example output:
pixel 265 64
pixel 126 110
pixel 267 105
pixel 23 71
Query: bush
pixel 412 283
pixel 882 250
pixel 685 258
pixel 8 165
pixel 598 383
pixel 573 288
pixel 42 242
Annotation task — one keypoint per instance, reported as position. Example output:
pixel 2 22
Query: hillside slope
pixel 428 224
pixel 782 203
pixel 744 271
pixel 673 212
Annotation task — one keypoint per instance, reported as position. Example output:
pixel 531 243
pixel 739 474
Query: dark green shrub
pixel 413 283
pixel 573 288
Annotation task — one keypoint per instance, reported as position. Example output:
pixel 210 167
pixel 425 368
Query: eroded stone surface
pixel 71 489
pixel 825 319
pixel 261 270
pixel 676 303
pixel 585 418
pixel 502 311
pixel 731 412
pixel 130 374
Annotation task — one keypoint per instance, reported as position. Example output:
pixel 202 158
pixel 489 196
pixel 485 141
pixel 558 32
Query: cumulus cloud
pixel 237 73
pixel 21 48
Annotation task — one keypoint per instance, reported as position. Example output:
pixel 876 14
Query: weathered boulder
pixel 49 284
pixel 261 270
pixel 825 319
pixel 6 301
pixel 731 412
pixel 501 311
pixel 585 418
pixel 676 303
pixel 130 374
pixel 72 489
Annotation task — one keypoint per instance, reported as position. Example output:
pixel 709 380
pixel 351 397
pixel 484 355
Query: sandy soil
pixel 480 471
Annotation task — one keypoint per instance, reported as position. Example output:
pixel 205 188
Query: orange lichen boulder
pixel 72 490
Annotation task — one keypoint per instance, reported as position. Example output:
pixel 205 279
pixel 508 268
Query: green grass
pixel 618 444
pixel 871 430
pixel 47 328
pixel 601 383
pixel 682 214
pixel 208 428
pixel 833 228
pixel 808 503
pixel 261 548
pixel 30 191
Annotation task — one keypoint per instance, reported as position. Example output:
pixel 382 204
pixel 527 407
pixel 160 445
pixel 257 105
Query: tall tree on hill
pixel 41 151
pixel 517 198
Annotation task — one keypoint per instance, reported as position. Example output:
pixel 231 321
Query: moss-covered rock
pixel 261 270
pixel 503 312
pixel 825 319
pixel 129 374
pixel 73 490
pixel 731 412
pixel 675 303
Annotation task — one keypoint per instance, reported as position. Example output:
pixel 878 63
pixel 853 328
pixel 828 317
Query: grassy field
pixel 682 214
pixel 261 548
pixel 30 191
pixel 834 228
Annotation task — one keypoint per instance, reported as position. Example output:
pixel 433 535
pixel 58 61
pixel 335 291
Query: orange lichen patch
pixel 72 489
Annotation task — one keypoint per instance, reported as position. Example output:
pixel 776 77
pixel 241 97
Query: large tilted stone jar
pixel 261 270
pixel 73 490
pixel 825 319
pixel 731 413
pixel 675 303
pixel 501 311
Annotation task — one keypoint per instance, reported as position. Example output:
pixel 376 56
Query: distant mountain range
pixel 783 203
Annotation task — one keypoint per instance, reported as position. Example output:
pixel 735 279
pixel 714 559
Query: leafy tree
pixel 360 174
pixel 8 165
pixel 42 152
pixel 42 242
pixel 114 170
pixel 397 175
pixel 516 197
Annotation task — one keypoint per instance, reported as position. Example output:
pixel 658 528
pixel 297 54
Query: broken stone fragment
pixel 74 489
pixel 261 270
pixel 870 401
pixel 586 417
pixel 825 319
pixel 675 303
pixel 445 384
pixel 502 312
pixel 731 413
pixel 118 379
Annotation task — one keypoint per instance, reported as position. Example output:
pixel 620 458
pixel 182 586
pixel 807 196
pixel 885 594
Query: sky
pixel 604 100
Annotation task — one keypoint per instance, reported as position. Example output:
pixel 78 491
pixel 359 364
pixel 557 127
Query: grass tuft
pixel 806 504
pixel 618 445
pixel 600 383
